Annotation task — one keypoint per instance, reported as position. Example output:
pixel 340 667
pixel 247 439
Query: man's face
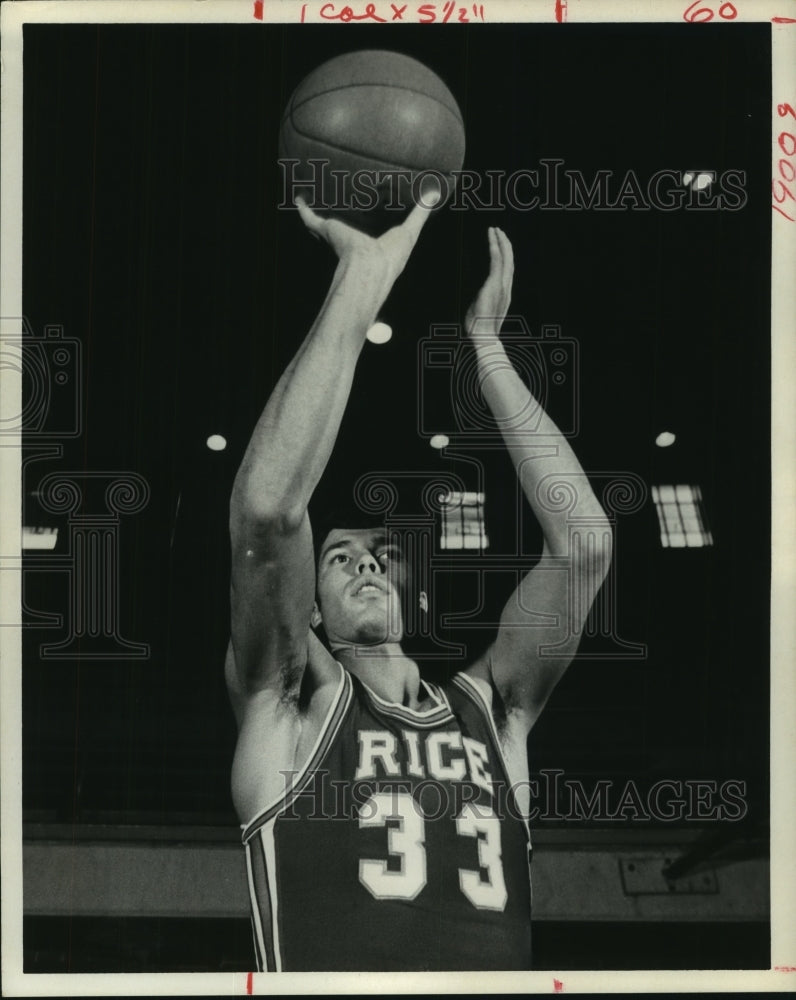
pixel 360 580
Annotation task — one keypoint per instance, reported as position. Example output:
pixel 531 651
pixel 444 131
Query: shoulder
pixel 471 698
pixel 280 736
pixel 476 680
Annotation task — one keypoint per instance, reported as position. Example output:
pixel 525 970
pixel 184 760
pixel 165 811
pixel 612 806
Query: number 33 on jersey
pixel 399 839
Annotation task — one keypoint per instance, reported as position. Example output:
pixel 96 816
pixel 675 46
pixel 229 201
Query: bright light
pixel 698 181
pixel 440 441
pixel 664 439
pixel 379 333
pixel 681 516
pixel 462 520
pixel 216 442
pixel 39 538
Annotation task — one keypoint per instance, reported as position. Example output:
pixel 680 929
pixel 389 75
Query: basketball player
pixel 383 816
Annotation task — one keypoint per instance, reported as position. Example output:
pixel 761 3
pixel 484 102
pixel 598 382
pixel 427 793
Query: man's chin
pixel 367 630
pixel 373 635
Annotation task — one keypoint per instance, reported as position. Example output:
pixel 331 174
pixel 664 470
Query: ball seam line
pixel 365 155
pixel 389 86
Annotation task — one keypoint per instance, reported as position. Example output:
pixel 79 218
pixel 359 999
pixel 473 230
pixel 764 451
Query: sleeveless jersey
pixel 398 847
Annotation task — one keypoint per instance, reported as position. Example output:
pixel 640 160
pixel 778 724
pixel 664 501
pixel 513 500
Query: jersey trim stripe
pixel 255 943
pixel 439 694
pixel 470 688
pixel 426 719
pixel 334 718
pixel 269 852
pixel 261 904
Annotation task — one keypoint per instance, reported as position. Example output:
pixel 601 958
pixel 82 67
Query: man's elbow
pixel 593 550
pixel 588 545
pixel 262 515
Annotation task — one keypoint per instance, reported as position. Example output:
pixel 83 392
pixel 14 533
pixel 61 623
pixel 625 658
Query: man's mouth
pixel 369 588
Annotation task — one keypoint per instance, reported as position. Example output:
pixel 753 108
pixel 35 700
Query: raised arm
pixel 551 603
pixel 273 573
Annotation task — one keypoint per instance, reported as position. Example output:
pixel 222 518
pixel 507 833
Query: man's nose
pixel 367 563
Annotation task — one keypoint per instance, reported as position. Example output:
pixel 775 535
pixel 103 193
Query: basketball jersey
pixel 398 847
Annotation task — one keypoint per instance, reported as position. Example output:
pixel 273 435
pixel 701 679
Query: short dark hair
pixel 339 516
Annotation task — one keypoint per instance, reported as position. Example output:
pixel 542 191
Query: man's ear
pixel 423 601
pixel 315 617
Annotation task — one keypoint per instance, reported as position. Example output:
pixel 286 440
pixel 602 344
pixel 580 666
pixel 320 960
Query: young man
pixel 383 816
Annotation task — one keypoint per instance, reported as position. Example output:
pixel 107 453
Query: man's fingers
pixel 312 221
pixel 495 256
pixel 430 192
pixel 428 198
pixel 505 244
pixel 415 221
pixel 507 252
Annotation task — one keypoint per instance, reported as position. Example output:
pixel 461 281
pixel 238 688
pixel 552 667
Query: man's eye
pixel 384 557
pixel 340 557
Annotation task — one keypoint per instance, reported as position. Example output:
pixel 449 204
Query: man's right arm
pixel 273 572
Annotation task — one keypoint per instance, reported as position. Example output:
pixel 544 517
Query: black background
pixel 151 234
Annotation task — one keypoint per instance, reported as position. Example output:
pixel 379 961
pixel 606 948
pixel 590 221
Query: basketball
pixel 377 121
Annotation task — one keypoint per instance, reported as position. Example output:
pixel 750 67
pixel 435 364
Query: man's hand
pixel 387 253
pixel 487 312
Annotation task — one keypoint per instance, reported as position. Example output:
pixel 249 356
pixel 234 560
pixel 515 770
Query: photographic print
pixel 396 524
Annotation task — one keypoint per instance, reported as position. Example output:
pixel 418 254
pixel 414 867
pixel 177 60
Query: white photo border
pixel 782 975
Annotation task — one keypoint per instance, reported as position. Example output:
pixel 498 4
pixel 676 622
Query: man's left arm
pixel 551 603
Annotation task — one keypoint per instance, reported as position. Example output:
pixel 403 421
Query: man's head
pixel 362 580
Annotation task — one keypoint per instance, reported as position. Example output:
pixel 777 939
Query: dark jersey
pixel 399 846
